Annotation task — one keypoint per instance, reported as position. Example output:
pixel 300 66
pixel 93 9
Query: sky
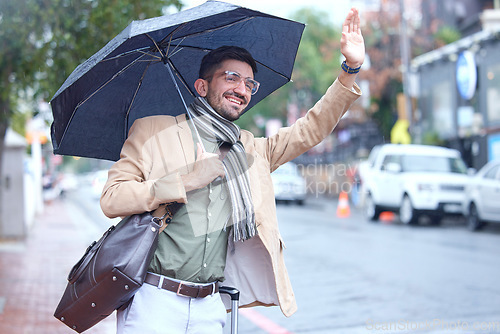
pixel 337 9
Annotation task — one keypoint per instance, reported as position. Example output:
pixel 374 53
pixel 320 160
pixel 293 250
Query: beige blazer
pixel 160 149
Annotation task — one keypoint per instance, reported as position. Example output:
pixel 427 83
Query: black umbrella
pixel 151 66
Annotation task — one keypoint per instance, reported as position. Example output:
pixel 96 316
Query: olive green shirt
pixel 193 246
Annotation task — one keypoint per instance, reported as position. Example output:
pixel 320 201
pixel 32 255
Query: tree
pixel 42 41
pixel 382 38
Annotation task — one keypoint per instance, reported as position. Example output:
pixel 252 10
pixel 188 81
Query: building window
pixel 442 110
pixel 493 94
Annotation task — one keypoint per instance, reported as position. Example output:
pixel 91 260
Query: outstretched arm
pixel 352 46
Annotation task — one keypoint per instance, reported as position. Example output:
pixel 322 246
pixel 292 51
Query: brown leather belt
pixel 182 289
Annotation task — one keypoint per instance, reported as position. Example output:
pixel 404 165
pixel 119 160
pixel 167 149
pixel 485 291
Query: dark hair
pixel 213 60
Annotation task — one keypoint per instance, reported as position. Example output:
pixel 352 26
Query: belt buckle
pixel 179 290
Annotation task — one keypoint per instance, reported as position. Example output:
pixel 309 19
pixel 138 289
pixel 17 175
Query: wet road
pixel 352 276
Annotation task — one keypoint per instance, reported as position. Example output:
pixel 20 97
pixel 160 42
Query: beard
pixel 225 108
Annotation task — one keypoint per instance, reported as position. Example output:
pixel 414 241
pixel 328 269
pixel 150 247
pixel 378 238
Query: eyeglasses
pixel 235 78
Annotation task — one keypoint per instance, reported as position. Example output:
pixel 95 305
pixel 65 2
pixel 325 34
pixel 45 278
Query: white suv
pixel 413 180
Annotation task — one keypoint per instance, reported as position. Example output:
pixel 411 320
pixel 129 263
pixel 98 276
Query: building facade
pixel 459 96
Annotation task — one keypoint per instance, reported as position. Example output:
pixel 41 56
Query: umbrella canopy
pixel 143 71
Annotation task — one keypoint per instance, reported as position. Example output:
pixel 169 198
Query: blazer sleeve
pixel 308 131
pixel 129 189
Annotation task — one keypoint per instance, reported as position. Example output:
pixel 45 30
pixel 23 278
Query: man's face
pixel 228 98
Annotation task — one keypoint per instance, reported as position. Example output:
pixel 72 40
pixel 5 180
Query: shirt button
pixel 208 239
pixel 210 214
pixel 211 190
pixel 204 265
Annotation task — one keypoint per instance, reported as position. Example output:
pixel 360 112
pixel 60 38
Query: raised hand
pixel 352 44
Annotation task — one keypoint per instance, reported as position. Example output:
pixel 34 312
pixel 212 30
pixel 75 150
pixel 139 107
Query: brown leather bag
pixel 111 270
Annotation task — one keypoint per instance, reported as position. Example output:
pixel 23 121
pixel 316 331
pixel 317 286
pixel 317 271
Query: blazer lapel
pixel 186 140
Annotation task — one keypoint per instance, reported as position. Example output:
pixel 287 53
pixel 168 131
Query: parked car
pixel 482 203
pixel 413 180
pixel 288 183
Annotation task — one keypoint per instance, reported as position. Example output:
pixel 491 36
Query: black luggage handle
pixel 233 292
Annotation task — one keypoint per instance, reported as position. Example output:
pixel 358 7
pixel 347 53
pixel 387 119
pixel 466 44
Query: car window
pixel 423 163
pixel 390 158
pixel 492 173
pixel 457 166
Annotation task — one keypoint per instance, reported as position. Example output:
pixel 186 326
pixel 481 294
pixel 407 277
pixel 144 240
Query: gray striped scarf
pixel 214 127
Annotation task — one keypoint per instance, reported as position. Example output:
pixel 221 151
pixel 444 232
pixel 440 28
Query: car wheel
pixel 407 214
pixel 473 221
pixel 372 211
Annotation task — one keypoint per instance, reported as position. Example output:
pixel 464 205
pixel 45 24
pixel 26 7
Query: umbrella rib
pixel 149 54
pixel 141 51
pixel 157 47
pixel 181 78
pixel 133 99
pixel 130 52
pixel 170 35
pixel 274 71
pixel 175 51
pixel 107 82
pixel 204 31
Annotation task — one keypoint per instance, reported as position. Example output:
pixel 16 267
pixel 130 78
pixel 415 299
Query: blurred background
pixel 431 77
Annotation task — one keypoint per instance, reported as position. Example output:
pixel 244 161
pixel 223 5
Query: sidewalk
pixel 33 273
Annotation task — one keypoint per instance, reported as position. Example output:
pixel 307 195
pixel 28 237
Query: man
pixel 221 175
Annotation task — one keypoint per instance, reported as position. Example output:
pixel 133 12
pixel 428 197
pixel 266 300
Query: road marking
pixel 263 322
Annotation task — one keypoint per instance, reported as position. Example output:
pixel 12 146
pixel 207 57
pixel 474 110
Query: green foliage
pixel 18 122
pixel 318 58
pixel 446 35
pixel 386 115
pixel 431 137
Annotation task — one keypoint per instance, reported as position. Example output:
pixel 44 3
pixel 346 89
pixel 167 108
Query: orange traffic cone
pixel 343 210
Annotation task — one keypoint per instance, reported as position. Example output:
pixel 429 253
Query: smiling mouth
pixel 230 99
pixel 236 98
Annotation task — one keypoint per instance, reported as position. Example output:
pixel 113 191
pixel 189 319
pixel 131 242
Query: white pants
pixel 158 311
